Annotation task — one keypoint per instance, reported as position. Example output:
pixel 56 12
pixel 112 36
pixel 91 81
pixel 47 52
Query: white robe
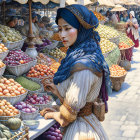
pixel 135 31
pixel 82 87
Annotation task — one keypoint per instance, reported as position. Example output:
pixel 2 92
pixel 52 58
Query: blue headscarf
pixel 85 53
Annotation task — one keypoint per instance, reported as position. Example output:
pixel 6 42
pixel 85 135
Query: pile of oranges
pixel 99 16
pixel 6 109
pixel 39 71
pixel 116 70
pixel 10 88
pixel 123 45
pixel 55 66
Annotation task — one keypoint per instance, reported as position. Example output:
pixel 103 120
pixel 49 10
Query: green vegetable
pixel 28 84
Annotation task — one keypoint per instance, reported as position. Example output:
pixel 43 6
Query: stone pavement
pixel 123 119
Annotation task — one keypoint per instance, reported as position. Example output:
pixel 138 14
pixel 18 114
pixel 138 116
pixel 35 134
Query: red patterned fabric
pixel 135 41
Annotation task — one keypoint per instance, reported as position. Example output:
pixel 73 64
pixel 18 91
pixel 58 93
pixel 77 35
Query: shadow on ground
pixel 125 86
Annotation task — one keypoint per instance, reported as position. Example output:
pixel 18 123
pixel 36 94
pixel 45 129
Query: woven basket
pixel 120 26
pixel 15 45
pixel 21 69
pixel 53 45
pixel 21 42
pixel 29 116
pixel 4 119
pixel 115 40
pixel 14 99
pixel 3 54
pixel 2 70
pixel 117 81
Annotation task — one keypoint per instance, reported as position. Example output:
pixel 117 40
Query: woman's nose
pixel 63 34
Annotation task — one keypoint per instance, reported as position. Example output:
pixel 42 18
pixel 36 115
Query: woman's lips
pixel 64 41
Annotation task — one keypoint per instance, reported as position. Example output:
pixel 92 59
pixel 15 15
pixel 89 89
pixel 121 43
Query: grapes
pixel 17 57
pixel 25 107
pixel 53 133
pixel 33 110
pixel 19 107
pixel 35 99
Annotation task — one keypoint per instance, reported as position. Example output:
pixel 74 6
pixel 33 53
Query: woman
pixel 78 80
pixel 132 29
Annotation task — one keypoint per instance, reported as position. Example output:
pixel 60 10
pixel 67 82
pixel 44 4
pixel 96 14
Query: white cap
pixel 132 13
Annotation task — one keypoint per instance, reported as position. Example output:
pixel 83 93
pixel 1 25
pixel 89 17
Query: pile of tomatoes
pixel 39 71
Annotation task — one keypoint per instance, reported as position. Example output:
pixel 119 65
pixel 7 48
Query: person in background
pixel 132 29
pixel 118 15
pixel 46 21
pixel 124 17
pixel 25 28
pixel 12 22
pixel 114 19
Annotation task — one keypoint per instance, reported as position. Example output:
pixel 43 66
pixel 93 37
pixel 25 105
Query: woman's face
pixel 131 16
pixel 67 33
pixel 11 23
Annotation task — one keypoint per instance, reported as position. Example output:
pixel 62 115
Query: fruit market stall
pixel 109 44
pixel 126 47
pixel 117 76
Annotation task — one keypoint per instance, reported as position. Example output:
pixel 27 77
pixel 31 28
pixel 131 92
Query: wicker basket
pixel 29 116
pixel 21 69
pixel 120 26
pixel 15 45
pixel 53 45
pixel 2 70
pixel 117 81
pixel 4 119
pixel 115 40
pixel 3 54
pixel 14 99
pixel 21 42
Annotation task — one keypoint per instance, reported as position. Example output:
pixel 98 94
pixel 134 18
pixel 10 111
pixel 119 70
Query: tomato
pixel 42 73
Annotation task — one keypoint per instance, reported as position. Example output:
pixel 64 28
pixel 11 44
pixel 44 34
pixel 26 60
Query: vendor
pixel 114 18
pixel 46 21
pixel 25 28
pixel 132 28
pixel 78 81
pixel 12 21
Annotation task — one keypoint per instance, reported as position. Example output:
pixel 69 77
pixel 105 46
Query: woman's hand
pixel 58 117
pixel 131 24
pixel 46 110
pixel 52 88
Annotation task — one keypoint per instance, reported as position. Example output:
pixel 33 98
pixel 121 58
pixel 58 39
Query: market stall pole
pixel 31 50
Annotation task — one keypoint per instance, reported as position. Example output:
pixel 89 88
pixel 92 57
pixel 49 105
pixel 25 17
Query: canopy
pixel 119 1
pixel 109 3
pixel 118 8
pixel 138 2
pixel 42 1
pixel 130 2
pixel 86 2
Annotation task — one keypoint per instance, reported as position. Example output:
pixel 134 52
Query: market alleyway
pixel 123 119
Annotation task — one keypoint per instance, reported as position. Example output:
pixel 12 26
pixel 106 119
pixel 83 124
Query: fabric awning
pixel 42 1
pixel 109 3
pixel 118 8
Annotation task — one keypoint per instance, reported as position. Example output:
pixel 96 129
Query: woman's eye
pixel 67 29
pixel 59 30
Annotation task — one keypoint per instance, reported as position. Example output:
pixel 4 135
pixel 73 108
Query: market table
pixel 43 126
